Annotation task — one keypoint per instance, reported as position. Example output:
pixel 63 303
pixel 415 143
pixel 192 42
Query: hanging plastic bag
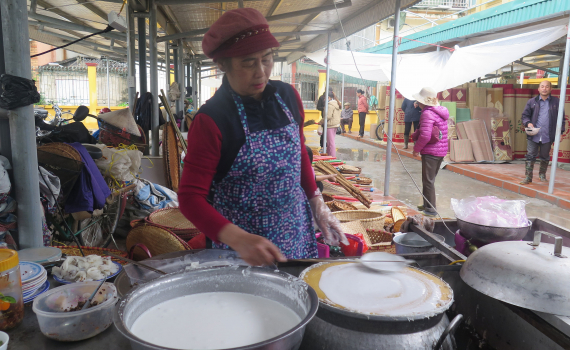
pixel 491 211
pixel 18 92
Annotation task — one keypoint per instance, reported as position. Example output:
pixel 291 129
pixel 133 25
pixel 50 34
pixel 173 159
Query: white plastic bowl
pixel 4 338
pixel 75 325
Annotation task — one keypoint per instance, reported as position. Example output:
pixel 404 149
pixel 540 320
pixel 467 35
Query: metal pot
pixel 274 285
pixel 334 328
pixel 411 242
pixel 490 234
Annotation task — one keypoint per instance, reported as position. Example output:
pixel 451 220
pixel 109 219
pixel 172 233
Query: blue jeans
pixel 533 149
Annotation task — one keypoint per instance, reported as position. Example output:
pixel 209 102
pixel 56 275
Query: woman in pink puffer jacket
pixel 432 153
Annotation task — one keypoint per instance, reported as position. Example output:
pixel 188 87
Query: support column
pixel 199 95
pixel 5 143
pixel 167 66
pixel 108 85
pixel 326 111
pixel 92 76
pixel 342 92
pixel 194 86
pixel 154 122
pixel 22 129
pixel 562 84
pixel 392 98
pixel 180 64
pixel 142 56
pixel 131 58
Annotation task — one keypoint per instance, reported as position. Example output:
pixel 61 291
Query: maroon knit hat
pixel 238 32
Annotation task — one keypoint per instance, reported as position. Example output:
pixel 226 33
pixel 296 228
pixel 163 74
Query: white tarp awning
pixel 444 69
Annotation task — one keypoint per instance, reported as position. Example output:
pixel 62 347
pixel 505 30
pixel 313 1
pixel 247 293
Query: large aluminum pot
pixel 274 285
pixel 411 242
pixel 491 234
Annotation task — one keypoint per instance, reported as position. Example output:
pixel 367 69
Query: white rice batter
pixel 214 321
pixel 395 294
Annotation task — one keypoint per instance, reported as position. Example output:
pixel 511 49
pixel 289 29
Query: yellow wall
pixel 315 115
pixel 89 123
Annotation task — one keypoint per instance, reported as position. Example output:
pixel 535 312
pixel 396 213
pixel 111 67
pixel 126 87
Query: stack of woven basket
pixel 163 231
pixel 371 225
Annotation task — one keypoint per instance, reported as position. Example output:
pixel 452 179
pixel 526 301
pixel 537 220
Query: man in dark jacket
pixel 540 112
pixel 412 113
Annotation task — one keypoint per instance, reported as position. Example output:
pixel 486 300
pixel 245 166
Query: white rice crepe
pixel 122 119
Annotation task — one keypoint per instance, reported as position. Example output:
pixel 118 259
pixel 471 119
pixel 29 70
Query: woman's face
pixel 248 75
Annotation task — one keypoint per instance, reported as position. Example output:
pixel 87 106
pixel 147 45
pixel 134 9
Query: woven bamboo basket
pixel 369 219
pixel 349 169
pixel 74 251
pixel 381 241
pixel 339 206
pixel 171 155
pixel 157 239
pixel 327 198
pixel 361 180
pixel 173 220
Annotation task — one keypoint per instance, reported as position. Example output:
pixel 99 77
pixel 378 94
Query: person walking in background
pixel 431 144
pixel 346 118
pixel 362 110
pixel 321 107
pixel 333 122
pixel 539 115
pixel 412 113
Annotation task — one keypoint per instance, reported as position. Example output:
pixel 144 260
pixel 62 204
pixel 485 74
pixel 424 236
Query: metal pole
pixel 199 96
pixel 180 63
pixel 392 98
pixel 131 58
pixel 142 57
pixel 194 86
pixel 108 86
pixel 562 84
pixel 22 128
pixel 5 143
pixel 167 58
pixel 154 122
pixel 326 111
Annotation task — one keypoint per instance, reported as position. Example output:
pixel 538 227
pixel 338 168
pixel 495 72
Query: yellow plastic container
pixel 11 300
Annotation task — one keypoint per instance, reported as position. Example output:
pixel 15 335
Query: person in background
pixel 540 112
pixel 412 113
pixel 346 118
pixel 247 183
pixel 333 122
pixel 321 107
pixel 362 110
pixel 433 115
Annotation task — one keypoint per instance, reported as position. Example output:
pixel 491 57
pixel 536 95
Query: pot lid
pixel 532 275
pixel 353 290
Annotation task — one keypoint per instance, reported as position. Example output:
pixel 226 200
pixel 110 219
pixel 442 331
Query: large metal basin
pixel 491 234
pixel 275 285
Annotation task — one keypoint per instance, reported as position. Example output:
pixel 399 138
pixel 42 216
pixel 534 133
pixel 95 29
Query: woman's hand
pixel 253 249
pixel 327 222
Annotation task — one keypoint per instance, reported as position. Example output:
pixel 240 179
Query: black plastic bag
pixel 18 92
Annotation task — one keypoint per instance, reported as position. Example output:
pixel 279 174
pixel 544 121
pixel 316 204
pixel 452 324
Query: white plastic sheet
pixel 444 69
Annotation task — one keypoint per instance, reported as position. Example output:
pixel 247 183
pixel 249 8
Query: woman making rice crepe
pixel 247 181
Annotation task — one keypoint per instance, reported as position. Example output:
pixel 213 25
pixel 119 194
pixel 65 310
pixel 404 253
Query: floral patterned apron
pixel 262 192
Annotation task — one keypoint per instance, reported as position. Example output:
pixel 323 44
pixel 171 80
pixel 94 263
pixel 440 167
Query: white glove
pixel 327 222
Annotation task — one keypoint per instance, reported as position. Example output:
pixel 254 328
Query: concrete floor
pixel 449 185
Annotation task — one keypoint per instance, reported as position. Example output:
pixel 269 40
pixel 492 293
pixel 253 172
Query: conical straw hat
pixel 122 119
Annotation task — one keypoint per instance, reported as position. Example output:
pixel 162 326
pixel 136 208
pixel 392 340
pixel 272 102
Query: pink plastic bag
pixel 491 211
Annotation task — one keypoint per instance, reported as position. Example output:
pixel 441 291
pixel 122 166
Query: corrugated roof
pixel 518 12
